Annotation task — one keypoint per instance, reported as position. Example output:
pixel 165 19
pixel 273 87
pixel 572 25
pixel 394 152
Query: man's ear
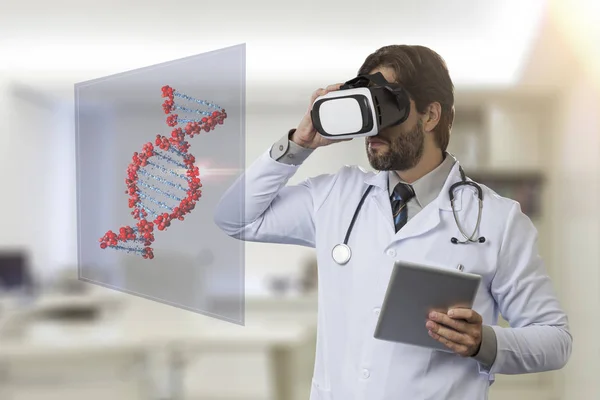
pixel 432 116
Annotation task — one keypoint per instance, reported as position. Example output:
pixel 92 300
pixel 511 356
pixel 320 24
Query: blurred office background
pixel 527 76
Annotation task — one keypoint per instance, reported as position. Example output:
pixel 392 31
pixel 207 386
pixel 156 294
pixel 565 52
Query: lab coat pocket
pixel 473 258
pixel 318 392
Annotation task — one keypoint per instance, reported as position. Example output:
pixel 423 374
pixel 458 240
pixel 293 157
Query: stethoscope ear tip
pixel 455 240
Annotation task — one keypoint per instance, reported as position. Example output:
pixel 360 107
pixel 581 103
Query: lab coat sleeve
pixel 538 339
pixel 259 207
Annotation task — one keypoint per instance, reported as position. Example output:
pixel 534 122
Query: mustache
pixel 377 138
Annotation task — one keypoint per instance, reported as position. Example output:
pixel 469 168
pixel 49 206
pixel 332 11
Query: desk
pixel 150 331
pixel 283 347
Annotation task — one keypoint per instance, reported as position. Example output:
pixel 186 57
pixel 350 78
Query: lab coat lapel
pixel 380 193
pixel 426 220
pixel 429 217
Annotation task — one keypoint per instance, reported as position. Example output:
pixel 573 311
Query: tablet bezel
pixel 413 290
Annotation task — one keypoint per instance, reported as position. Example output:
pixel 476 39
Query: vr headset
pixel 363 106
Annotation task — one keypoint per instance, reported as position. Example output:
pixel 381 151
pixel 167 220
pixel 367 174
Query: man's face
pixel 399 147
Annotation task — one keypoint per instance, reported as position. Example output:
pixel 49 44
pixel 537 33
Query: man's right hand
pixel 306 135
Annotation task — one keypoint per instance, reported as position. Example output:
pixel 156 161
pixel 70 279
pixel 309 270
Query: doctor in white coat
pixel 412 160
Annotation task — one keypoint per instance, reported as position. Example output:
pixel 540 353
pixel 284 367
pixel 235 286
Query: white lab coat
pixel 351 364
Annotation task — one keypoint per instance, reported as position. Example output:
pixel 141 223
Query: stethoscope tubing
pixel 362 200
pixel 469 239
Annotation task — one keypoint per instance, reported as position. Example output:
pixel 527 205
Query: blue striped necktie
pixel 401 195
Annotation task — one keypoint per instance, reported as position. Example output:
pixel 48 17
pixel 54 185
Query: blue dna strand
pixel 158 192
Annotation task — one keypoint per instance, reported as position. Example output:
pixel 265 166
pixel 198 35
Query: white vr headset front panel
pixel 341 116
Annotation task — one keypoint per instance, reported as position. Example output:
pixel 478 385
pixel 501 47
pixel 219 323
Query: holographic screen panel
pixel 156 149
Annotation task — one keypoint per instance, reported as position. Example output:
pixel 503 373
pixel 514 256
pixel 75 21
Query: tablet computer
pixel 413 292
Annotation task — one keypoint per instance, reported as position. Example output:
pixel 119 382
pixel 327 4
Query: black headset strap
pixel 379 79
pixel 362 200
pixel 363 81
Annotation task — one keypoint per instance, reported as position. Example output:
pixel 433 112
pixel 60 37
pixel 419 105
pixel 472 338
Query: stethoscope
pixel 342 253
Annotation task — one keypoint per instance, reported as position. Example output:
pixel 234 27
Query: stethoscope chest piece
pixel 341 254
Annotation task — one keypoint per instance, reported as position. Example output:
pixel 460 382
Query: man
pixel 407 217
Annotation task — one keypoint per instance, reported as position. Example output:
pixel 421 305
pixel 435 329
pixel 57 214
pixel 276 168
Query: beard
pixel 402 152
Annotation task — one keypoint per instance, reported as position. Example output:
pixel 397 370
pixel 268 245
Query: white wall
pixel 35 157
pixel 565 58
pixel 576 190
pixel 6 236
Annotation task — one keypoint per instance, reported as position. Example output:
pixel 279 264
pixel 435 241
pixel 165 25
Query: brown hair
pixel 424 75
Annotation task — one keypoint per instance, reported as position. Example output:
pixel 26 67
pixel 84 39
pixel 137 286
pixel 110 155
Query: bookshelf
pixel 524 187
pixel 499 140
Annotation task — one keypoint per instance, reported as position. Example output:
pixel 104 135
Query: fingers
pixel 333 87
pixel 317 93
pixel 447 333
pixel 324 91
pixel 458 348
pixel 460 343
pixel 465 314
pixel 443 319
pixel 456 331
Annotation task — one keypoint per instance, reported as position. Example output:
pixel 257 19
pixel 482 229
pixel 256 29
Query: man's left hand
pixel 459 330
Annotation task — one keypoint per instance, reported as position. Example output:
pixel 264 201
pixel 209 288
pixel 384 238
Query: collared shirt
pixel 427 188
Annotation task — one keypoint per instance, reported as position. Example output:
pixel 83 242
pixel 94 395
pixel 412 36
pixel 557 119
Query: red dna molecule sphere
pixel 159 192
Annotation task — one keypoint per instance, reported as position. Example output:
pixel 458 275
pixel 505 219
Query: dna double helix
pixel 159 192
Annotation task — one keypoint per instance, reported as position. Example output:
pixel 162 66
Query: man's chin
pixel 378 162
pixel 380 150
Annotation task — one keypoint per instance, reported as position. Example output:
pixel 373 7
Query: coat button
pixel 377 310
pixel 365 373
pixel 391 253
